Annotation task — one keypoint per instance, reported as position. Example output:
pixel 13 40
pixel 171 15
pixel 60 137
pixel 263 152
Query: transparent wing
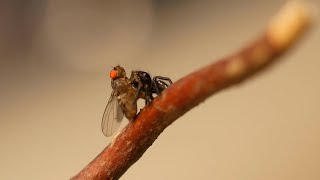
pixel 112 116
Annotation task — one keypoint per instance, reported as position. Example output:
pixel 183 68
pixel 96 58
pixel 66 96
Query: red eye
pixel 113 74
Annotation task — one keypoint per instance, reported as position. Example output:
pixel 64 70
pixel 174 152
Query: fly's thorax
pixel 120 85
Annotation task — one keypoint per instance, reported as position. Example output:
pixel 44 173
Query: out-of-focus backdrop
pixel 55 58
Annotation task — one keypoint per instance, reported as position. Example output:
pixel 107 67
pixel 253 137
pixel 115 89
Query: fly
pixel 125 94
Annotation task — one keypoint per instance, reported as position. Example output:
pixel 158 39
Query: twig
pixel 138 136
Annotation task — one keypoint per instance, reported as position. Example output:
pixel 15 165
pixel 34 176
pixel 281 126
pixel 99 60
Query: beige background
pixel 55 57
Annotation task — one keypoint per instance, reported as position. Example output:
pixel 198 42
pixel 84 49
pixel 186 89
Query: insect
pixel 125 94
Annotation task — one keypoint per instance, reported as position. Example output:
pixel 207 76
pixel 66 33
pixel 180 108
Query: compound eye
pixel 113 74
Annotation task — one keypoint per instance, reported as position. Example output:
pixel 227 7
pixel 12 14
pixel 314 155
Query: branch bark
pixel 128 146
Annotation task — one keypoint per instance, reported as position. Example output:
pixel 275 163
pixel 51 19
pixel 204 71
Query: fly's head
pixel 117 72
pixel 119 81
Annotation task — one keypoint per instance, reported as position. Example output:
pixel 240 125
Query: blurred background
pixel 55 59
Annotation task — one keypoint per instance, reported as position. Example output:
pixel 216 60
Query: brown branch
pixel 138 136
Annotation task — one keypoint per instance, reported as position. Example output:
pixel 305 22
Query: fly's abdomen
pixel 128 105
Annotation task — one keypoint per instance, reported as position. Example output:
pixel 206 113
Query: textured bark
pixel 128 146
